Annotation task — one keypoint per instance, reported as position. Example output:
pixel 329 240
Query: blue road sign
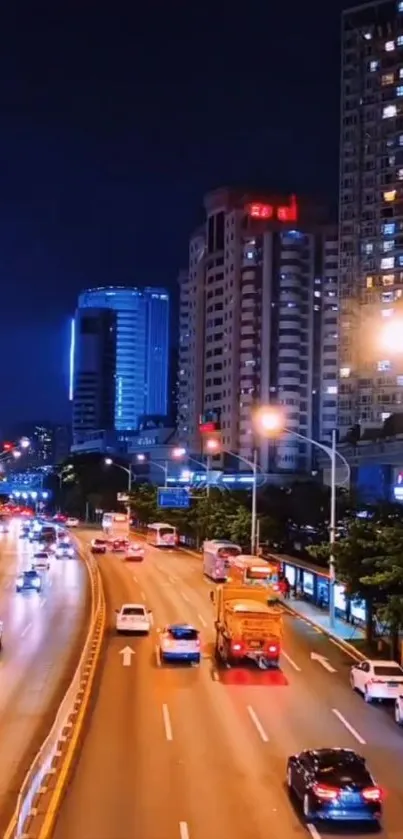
pixel 174 497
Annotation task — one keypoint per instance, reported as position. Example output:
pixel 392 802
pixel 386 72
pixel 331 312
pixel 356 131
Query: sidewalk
pixel 320 618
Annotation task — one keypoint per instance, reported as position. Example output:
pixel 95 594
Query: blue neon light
pixel 72 353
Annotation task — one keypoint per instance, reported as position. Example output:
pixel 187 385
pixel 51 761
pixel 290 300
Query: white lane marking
pixel 158 655
pixel 313 831
pixel 321 659
pixel 345 650
pixel 201 619
pixel 349 727
pixel 167 722
pixel 135 578
pixel 143 595
pixel 27 628
pixel 256 721
pixel 183 830
pixel 215 676
pixel 185 597
pixel 42 603
pixel 291 661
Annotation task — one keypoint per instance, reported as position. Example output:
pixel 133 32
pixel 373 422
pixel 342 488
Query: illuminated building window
pixel 345 372
pixel 383 366
pixel 368 248
pixel 400 72
pixel 387 78
pixel 400 40
pixel 389 46
pixel 370 282
pixel 331 390
pixel 400 6
pixel 399 381
pixel 389 228
pixel 399 90
pixel 387 262
pixel 390 195
pixel 400 174
pixel 389 244
pixel 389 111
pixel 388 279
pixel 373 66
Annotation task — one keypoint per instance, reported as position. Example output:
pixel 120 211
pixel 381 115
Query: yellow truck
pixel 249 624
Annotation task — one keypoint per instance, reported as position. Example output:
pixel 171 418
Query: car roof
pixel 381 662
pixel 322 754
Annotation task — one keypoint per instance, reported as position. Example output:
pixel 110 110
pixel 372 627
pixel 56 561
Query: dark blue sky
pixel 114 120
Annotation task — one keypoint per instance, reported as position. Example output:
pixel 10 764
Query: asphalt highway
pixel 43 635
pixel 173 752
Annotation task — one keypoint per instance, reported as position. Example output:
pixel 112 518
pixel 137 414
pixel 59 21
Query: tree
pixel 143 503
pixel 386 581
pixel 355 559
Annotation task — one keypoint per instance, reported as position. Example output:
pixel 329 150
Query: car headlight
pixel 36 583
pixel 20 581
pixel 70 552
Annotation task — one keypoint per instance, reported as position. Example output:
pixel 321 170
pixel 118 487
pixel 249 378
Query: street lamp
pixel 141 458
pixel 179 452
pixel 271 421
pixel 215 447
pixel 109 462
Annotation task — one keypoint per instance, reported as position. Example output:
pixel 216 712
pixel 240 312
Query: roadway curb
pixel 39 801
pixel 349 648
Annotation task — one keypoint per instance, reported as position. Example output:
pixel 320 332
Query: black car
pixel 334 784
pixel 99 546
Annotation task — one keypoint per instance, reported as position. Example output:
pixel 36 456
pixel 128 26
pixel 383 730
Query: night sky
pixel 115 120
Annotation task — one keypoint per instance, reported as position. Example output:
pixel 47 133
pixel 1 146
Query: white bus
pixel 162 535
pixel 116 525
pixel 217 557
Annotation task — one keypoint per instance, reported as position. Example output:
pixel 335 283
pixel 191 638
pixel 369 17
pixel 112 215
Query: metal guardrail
pixel 50 756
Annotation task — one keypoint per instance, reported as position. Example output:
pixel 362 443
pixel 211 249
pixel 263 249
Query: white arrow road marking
pixel 127 654
pixel 323 661
pixel 183 830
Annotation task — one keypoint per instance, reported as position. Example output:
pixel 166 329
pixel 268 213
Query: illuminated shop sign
pixel 284 213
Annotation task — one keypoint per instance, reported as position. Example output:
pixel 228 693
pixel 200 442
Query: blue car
pixel 29 581
pixel 180 642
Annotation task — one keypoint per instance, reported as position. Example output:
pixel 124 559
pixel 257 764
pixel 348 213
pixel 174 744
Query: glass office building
pixel 142 349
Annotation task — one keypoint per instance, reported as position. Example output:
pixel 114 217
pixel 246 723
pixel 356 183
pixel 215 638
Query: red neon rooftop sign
pixel 284 213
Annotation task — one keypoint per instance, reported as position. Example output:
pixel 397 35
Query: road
pixel 43 636
pixel 190 753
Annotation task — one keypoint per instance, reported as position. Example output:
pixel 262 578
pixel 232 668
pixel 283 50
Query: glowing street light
pixel 212 445
pixel 269 420
pixel 141 458
pixel 16 453
pixel 391 338
pixel 24 443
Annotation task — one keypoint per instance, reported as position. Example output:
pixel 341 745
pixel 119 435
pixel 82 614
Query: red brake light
pixel 273 648
pixel 325 793
pixel 372 794
pixel 236 647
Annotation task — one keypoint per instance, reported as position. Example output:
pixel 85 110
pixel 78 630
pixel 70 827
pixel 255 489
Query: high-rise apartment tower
pixel 258 324
pixel 371 215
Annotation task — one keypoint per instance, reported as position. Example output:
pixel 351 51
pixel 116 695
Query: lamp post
pixel 141 458
pixel 269 420
pixel 214 446
pixel 179 452
pixel 109 462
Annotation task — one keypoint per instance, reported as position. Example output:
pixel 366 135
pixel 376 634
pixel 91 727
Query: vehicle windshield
pixel 99 542
pixel 183 633
pixel 388 670
pixel 30 574
pixel 223 553
pixel 133 610
pixel 166 531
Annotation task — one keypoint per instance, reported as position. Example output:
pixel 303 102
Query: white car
pixel 72 522
pixel 41 561
pixel 64 551
pixel 133 617
pixel 377 679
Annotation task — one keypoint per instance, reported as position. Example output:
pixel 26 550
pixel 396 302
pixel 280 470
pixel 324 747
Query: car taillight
pixel 325 793
pixel 236 647
pixel 273 648
pixel 372 794
pixel 375 681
